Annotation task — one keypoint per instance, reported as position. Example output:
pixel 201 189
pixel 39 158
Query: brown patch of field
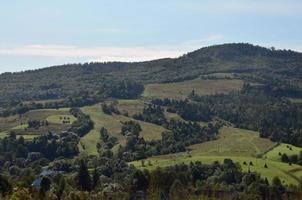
pixel 181 90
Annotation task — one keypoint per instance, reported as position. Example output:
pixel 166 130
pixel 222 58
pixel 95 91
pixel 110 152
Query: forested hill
pixel 248 61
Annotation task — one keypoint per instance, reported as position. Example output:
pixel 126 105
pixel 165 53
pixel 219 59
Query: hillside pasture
pixel 282 170
pixel 242 146
pixel 181 90
pixel 114 124
pixel 61 119
pixel 131 106
pixel 288 149
pixel 234 142
pixel 18 123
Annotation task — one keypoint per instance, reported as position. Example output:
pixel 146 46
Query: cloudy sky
pixel 37 33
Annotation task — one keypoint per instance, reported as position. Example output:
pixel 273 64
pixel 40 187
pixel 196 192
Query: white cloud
pixel 269 7
pixel 110 53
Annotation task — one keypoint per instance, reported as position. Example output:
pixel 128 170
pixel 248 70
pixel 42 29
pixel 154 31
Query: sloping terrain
pixel 181 90
pixel 70 80
pixel 19 123
pixel 114 124
pixel 241 146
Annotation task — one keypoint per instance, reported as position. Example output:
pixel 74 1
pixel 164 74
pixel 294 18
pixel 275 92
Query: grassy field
pixel 283 148
pixel 240 146
pixel 219 75
pixel 234 142
pixel 19 125
pixel 181 90
pixel 131 106
pixel 113 123
pixel 59 119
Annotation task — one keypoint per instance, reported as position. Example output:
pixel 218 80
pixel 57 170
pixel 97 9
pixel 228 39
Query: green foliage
pixel 178 191
pixel 111 108
pixel 83 124
pixel 153 114
pixel 44 186
pixel 5 186
pixel 83 178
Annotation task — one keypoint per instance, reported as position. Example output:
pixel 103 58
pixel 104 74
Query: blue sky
pixel 37 33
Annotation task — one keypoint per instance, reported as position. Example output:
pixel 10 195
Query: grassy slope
pixel 58 119
pixel 131 106
pixel 181 90
pixel 113 123
pixel 234 142
pixel 18 123
pixel 283 148
pixel 239 145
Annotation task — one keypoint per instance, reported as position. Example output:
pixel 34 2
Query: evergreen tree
pixel 21 151
pixel 83 177
pixel 60 187
pixel 5 186
pixel 45 185
pixel 177 191
pixel 95 178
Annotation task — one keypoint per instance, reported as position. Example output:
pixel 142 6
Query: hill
pixel 224 119
pixel 89 79
pixel 240 145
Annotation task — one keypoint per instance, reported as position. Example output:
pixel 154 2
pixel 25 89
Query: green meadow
pixel 243 147
pixel 114 124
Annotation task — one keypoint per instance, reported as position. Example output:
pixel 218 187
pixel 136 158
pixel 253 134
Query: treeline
pixel 191 111
pixel 17 153
pixel 83 124
pixel 153 114
pixel 114 179
pixel 179 136
pixel 291 159
pixel 274 117
pixel 110 108
pixel 122 90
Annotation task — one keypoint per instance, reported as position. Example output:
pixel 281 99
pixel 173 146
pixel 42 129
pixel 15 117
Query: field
pixel 59 119
pixel 113 123
pixel 131 106
pixel 242 146
pixel 283 148
pixel 18 123
pixel 181 90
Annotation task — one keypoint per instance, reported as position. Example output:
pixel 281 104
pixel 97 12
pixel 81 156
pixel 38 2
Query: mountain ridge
pixel 247 60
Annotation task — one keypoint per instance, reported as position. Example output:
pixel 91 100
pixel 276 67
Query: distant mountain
pixel 248 61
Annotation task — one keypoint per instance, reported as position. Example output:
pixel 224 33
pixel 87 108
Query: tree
pixel 60 187
pixel 277 188
pixel 83 177
pixel 45 185
pixel 5 186
pixel 21 151
pixel 104 135
pixel 95 178
pixel 177 191
pixel 140 180
pixel 284 158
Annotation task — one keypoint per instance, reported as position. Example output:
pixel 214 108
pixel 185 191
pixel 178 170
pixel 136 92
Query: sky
pixel 36 34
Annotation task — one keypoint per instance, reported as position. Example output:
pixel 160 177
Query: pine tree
pixel 95 178
pixel 153 189
pixel 83 177
pixel 5 186
pixel 177 191
pixel 44 186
